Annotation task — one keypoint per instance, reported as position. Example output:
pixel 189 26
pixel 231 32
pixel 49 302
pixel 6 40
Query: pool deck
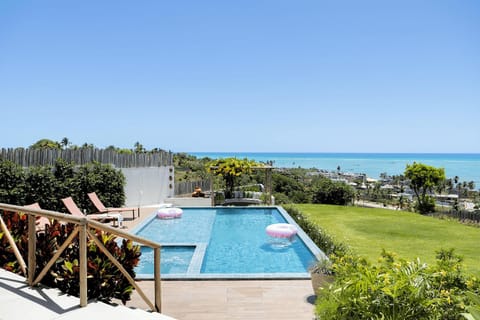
pixel 245 299
pixel 234 299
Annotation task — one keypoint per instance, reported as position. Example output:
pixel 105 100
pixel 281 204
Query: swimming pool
pixel 226 242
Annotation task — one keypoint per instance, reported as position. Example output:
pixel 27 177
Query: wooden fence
pixel 187 187
pixel 38 157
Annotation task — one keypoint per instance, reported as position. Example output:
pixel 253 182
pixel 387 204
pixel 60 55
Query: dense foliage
pixel 12 183
pixel 473 310
pixel 289 186
pixel 327 191
pixel 104 280
pixel 47 144
pixel 48 185
pixel 189 168
pixel 103 179
pixel 396 289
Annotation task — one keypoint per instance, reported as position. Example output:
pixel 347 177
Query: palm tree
pixel 449 185
pixel 471 185
pixel 65 142
pixel 138 147
pixel 455 181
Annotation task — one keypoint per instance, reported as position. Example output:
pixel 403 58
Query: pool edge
pixel 317 253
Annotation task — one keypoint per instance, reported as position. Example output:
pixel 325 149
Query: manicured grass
pixel 410 235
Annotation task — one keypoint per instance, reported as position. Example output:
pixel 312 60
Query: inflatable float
pixel 169 213
pixel 281 230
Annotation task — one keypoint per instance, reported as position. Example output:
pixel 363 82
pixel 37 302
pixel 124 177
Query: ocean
pixel 465 166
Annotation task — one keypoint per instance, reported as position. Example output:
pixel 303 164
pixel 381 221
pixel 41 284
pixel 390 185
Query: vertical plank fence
pixel 187 187
pixel 27 157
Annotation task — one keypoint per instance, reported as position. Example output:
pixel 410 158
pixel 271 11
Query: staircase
pixel 19 301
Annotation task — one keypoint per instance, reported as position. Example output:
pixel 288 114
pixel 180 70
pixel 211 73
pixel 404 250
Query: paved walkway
pixel 19 301
pixel 221 300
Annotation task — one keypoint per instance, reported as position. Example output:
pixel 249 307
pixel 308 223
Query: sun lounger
pixel 41 223
pixel 75 210
pixel 102 209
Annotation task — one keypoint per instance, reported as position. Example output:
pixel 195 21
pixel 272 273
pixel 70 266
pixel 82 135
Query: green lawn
pixel 410 235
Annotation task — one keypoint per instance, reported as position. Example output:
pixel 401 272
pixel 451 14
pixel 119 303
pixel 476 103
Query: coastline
pixel 464 165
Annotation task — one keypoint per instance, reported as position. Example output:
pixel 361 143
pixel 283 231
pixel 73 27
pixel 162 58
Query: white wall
pixel 151 185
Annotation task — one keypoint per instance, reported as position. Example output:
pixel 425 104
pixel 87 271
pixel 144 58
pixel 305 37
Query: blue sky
pixel 258 76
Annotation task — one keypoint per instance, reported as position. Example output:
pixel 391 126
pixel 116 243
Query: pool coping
pixel 193 272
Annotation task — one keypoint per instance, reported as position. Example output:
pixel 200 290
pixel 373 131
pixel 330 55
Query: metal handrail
pixel 82 230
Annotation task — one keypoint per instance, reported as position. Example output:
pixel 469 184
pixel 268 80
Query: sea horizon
pixel 464 165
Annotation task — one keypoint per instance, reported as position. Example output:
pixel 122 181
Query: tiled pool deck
pixel 228 299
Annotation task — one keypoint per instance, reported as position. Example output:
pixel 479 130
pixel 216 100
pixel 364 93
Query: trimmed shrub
pixel 48 185
pixel 12 183
pixel 40 186
pixel 103 179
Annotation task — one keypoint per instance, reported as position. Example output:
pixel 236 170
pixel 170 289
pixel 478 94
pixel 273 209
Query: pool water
pixel 174 259
pixel 226 242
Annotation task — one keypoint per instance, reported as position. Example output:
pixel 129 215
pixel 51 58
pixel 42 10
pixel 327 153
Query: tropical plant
pixel 423 180
pixel 104 280
pixel 396 289
pixel 231 169
pixel 65 142
pixel 474 310
pixel 138 148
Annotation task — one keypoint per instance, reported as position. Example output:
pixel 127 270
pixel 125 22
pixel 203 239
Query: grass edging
pixel 326 242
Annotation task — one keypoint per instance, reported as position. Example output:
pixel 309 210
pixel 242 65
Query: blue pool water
pixel 226 242
pixel 174 259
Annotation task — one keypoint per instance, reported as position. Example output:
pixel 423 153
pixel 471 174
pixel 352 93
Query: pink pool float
pixel 281 230
pixel 169 213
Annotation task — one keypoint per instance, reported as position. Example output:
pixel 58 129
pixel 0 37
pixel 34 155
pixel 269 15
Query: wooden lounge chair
pixel 41 223
pixel 75 210
pixel 102 209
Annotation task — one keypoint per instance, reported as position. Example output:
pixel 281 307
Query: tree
pixel 289 189
pixel 331 192
pixel 65 142
pixel 231 169
pixel 423 180
pixel 87 146
pixel 138 148
pixel 46 144
pixel 471 185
